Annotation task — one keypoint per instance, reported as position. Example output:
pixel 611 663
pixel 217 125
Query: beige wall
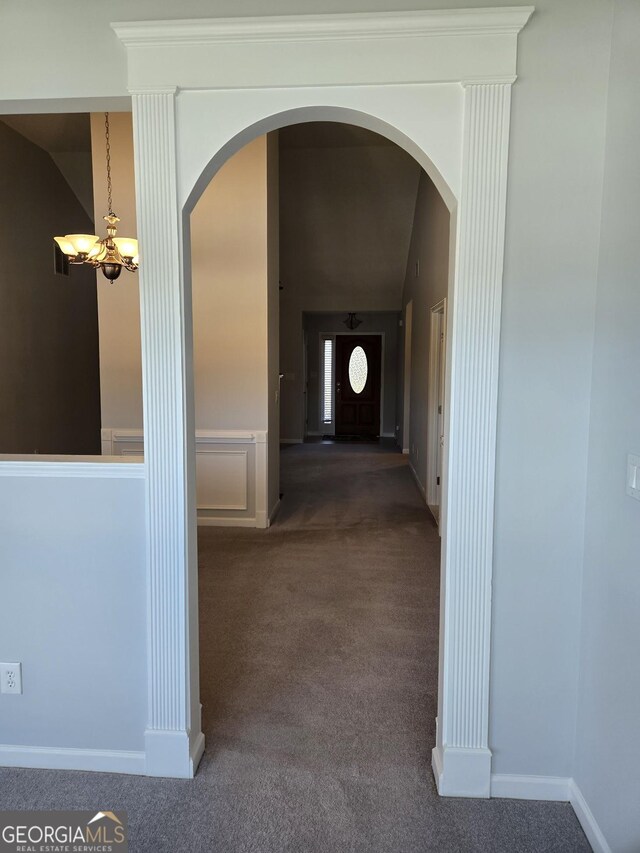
pixel 229 277
pixel 49 400
pixel 430 250
pixel 118 303
pixel 234 266
pixel 273 320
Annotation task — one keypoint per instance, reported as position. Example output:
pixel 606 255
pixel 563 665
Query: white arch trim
pixel 249 70
pixel 321 112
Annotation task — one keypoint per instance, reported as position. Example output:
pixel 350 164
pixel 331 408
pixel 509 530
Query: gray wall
pixel 608 742
pixel 77 622
pixel 49 376
pixel 345 223
pixel 385 323
pixel 430 250
pixel 552 233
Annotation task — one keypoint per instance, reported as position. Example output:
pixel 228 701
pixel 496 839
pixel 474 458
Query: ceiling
pixel 56 132
pixel 347 202
pixel 328 134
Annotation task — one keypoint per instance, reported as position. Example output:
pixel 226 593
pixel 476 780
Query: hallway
pixel 319 647
pixel 319 642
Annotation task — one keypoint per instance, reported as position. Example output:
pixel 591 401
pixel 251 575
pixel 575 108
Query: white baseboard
pixel 49 758
pixel 557 788
pixel 226 521
pixel 514 787
pixel 462 772
pixel 274 512
pixel 418 483
pixel 197 751
pixel 171 753
pixel 405 451
pixel 587 820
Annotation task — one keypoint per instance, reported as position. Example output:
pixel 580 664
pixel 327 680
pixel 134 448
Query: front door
pixel 358 359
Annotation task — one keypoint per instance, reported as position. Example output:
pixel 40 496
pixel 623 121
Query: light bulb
pixel 82 243
pixel 66 247
pixel 127 246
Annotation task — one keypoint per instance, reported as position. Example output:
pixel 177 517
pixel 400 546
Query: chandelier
pixel 111 253
pixel 352 322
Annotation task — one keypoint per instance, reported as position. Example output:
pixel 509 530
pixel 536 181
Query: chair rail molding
pixel 438 83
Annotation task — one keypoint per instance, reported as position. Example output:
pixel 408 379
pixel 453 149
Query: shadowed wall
pixel 49 375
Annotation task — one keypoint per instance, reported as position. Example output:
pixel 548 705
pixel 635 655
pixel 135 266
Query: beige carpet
pixel 319 676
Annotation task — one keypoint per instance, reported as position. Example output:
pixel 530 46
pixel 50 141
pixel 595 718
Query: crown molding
pixel 153 90
pixel 508 20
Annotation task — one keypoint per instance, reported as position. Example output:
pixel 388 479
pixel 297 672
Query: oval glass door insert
pixel 358 370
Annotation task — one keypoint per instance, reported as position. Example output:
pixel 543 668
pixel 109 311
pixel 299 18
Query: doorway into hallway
pixel 319 652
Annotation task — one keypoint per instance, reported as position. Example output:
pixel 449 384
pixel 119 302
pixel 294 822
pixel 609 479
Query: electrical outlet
pixel 10 678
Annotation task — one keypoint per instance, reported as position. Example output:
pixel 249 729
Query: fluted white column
pixel 462 759
pixel 169 739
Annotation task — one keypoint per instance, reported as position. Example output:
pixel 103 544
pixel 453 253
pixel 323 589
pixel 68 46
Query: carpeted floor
pixel 319 675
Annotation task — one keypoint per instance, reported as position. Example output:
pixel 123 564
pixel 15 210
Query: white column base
pixel 172 753
pixel 462 772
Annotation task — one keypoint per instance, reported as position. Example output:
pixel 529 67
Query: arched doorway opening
pixel 236 202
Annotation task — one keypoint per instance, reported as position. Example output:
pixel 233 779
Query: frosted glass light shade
pixel 127 246
pixel 82 243
pixel 66 247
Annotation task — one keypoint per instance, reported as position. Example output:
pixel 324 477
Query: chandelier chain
pixel 108 148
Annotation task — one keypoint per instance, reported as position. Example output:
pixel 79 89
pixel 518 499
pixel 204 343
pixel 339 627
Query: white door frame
pixel 437 362
pixel 406 378
pixel 439 84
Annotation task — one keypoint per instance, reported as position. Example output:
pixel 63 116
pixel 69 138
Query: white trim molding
pixel 560 789
pixel 171 635
pixel 414 474
pixel 100 467
pixel 237 79
pixel 100 760
pixel 507 20
pixel 394 48
pixel 515 787
pixel 227 495
pixel 589 824
pixel 469 474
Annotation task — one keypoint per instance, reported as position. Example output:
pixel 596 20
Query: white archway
pixel 438 81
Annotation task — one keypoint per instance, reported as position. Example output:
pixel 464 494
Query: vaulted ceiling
pixel 66 137
pixel 347 201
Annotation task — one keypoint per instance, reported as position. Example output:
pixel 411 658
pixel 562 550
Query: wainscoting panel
pixel 221 478
pixel 231 473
